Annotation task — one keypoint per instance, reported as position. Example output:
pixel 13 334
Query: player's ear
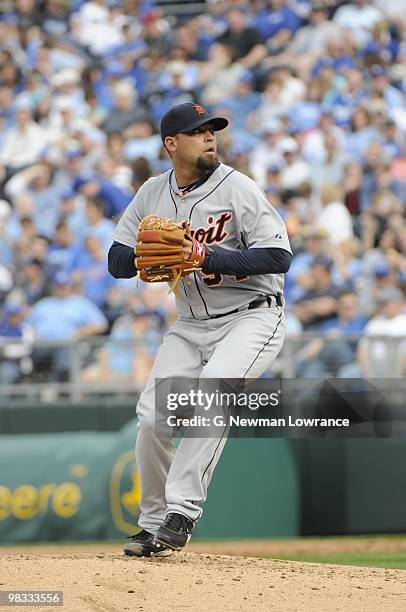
pixel 170 144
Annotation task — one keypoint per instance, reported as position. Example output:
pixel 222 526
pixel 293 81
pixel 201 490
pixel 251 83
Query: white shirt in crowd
pixel 394 10
pixel 22 146
pixel 359 19
pixel 313 38
pixel 295 174
pixel 386 356
pixel 336 220
pixel 382 326
pixel 94 28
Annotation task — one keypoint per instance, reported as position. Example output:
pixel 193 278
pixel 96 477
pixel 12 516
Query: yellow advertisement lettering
pixel 27 501
pixel 24 502
pixel 66 499
pixel 125 493
pixel 5 502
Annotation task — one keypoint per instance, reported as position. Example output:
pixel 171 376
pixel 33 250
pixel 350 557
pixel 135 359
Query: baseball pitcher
pixel 210 232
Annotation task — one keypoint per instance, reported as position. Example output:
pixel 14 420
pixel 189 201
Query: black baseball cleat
pixel 143 545
pixel 175 531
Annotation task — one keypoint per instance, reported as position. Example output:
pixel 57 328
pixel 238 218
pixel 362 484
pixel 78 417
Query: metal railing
pixel 384 357
pixel 100 367
pixel 183 7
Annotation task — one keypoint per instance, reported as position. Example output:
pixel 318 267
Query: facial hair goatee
pixel 207 164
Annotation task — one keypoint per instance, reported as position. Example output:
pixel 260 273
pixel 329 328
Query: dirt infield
pixel 101 579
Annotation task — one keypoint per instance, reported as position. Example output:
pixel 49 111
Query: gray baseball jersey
pixel 228 212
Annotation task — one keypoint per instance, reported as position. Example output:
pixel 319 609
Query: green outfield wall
pixel 352 486
pixel 68 484
pixel 101 415
pixel 84 485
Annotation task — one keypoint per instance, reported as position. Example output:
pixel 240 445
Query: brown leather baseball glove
pixel 159 251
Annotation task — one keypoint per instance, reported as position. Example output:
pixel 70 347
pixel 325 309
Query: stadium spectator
pixel 326 357
pixel 293 88
pixel 71 212
pixel 330 168
pixel 220 75
pixel 347 269
pixel 295 171
pixel 334 217
pixel 32 281
pixel 394 11
pixel 128 355
pixel 391 139
pixel 16 338
pixel 7 243
pixel 313 147
pixel 62 318
pixel 114 198
pixel 244 41
pixel 319 301
pixel 268 153
pixel 381 89
pixel 348 319
pixel 313 244
pixel 361 133
pixel 242 103
pixel 55 18
pixel 157 34
pixel 352 184
pixel 176 86
pixel 376 357
pixel 304 107
pixel 90 271
pixel 126 110
pixel 352 92
pixel 36 181
pixel 142 141
pixel 94 28
pixel 96 223
pixel 382 46
pixel 271 105
pixel 62 251
pixel 22 143
pixel 277 23
pixel 310 42
pixel 360 17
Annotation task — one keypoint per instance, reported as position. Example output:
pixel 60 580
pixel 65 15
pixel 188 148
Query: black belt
pixel 255 304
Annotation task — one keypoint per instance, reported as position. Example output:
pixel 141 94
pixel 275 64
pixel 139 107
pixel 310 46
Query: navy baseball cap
pixel 187 117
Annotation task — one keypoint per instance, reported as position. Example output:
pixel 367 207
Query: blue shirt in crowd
pixel 269 23
pixel 58 319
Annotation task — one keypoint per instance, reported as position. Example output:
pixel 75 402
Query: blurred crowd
pixel 315 92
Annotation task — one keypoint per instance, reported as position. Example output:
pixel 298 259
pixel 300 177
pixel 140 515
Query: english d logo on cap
pixel 199 109
pixel 187 117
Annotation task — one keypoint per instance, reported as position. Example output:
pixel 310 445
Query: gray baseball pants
pixel 239 345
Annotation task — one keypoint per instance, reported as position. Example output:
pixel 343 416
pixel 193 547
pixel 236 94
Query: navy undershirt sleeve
pixel 239 263
pixel 248 263
pixel 121 261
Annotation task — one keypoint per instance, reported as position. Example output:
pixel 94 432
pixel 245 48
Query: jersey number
pixel 213 280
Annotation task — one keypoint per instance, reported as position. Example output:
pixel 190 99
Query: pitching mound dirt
pixel 108 582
